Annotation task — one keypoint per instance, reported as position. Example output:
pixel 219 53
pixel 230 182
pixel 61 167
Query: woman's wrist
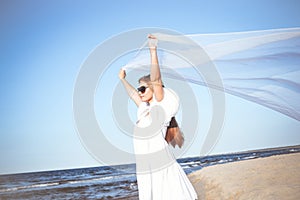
pixel 152 50
pixel 152 42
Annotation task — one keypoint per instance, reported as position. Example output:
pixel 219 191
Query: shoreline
pixel 273 177
pixel 263 150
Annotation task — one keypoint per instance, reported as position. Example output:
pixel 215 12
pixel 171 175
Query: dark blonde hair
pixel 174 136
pixel 145 78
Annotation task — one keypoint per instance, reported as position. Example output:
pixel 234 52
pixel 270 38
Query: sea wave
pixel 29 187
pixel 69 183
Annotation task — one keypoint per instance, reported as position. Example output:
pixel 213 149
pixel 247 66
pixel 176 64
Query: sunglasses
pixel 142 89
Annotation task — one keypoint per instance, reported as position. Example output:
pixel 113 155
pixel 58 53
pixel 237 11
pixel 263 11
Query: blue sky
pixel 44 43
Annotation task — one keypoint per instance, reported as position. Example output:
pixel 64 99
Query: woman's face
pixel 145 92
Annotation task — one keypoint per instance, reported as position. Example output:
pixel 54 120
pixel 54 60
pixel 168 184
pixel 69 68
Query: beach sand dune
pixel 275 177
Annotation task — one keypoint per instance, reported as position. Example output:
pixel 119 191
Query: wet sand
pixel 275 177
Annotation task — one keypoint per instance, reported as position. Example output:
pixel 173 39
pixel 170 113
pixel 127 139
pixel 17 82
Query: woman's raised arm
pixel 131 91
pixel 155 74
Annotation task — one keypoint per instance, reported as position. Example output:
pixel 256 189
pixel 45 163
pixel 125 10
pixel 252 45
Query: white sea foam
pixel 29 187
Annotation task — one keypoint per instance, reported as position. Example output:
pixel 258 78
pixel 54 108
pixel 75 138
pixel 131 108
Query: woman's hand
pixel 150 36
pixel 152 41
pixel 122 74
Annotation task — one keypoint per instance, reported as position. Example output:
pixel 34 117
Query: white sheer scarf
pixel 259 66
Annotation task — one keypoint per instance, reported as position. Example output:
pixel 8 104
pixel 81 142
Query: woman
pixel 159 176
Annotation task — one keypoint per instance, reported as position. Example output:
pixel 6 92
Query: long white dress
pixel 159 176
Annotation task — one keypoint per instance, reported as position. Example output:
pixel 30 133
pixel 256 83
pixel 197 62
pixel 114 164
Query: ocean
pixel 106 182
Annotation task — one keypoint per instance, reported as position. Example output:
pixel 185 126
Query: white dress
pixel 159 176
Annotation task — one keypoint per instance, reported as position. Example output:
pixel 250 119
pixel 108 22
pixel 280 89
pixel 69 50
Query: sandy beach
pixel 275 177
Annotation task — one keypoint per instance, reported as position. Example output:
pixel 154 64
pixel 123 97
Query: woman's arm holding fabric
pixel 155 74
pixel 131 91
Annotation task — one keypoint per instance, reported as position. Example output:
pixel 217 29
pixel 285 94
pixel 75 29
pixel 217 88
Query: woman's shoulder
pixel 170 101
pixel 170 95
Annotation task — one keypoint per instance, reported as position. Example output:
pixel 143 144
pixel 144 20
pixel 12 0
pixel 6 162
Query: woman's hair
pixel 145 79
pixel 174 136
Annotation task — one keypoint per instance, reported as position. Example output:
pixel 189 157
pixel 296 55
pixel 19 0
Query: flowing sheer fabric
pixel 259 66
